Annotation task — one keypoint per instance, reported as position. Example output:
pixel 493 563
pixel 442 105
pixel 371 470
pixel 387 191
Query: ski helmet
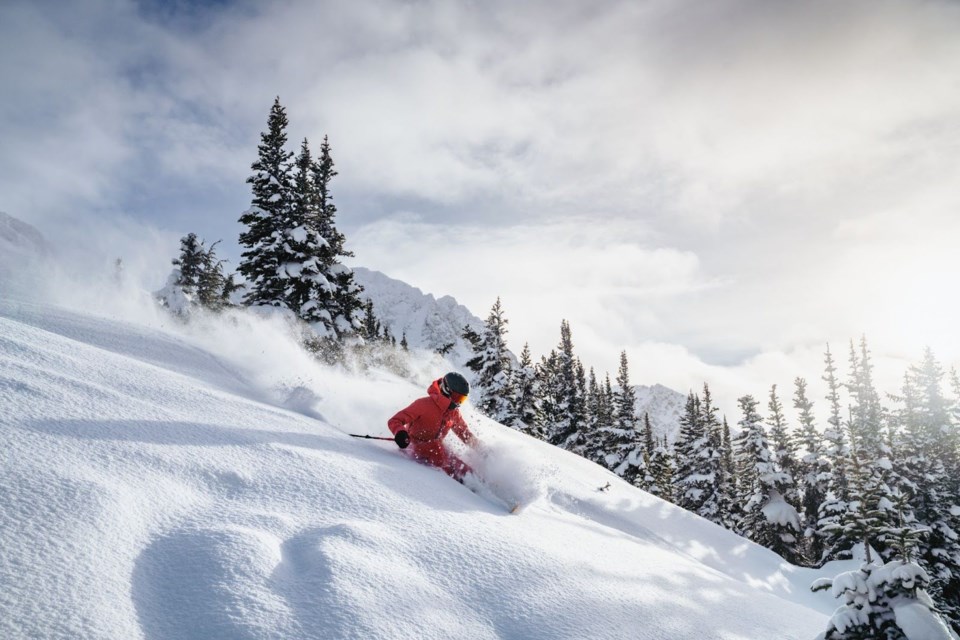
pixel 455 386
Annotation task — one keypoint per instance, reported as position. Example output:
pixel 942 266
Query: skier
pixel 427 421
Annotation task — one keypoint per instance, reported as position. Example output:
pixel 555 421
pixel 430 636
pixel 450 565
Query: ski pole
pixel 357 435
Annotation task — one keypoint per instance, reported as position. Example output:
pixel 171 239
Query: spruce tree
pixel 836 504
pixel 869 444
pixel 272 186
pixel 595 449
pixel 698 455
pixel 813 470
pixel 621 441
pixel 308 291
pixel 199 277
pixel 493 366
pixel 524 401
pixel 730 509
pixel 551 409
pixel 767 518
pixel 661 470
pixel 928 453
pixel 645 479
pixel 784 448
pixel 346 304
pixel 566 429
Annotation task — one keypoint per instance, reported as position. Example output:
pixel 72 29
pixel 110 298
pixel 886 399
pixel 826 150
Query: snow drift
pixel 170 482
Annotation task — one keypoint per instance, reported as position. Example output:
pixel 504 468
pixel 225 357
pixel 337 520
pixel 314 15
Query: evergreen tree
pixel 767 518
pixel 689 441
pixel 698 454
pixel 621 442
pixel 190 263
pixel 645 479
pixel 729 507
pixel 813 470
pixel 524 401
pixel 928 453
pixel 198 280
pixel 566 428
pixel 870 448
pixel 579 408
pixel 272 186
pixel 595 449
pixel 784 448
pixel 661 470
pixel 715 506
pixel 551 409
pixel 833 509
pixel 345 304
pixel 213 287
pixel 372 329
pixel 493 366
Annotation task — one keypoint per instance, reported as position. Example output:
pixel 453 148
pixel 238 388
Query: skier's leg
pixel 456 468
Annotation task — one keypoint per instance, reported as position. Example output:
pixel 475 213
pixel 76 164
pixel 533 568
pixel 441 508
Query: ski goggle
pixel 456 398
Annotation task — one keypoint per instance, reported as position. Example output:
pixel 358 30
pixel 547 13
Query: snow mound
pixel 178 481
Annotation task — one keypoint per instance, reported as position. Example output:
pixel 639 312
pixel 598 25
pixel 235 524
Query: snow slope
pixel 171 482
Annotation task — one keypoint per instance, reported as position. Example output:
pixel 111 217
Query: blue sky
pixel 719 188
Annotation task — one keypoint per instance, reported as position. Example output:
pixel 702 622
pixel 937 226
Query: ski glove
pixel 402 439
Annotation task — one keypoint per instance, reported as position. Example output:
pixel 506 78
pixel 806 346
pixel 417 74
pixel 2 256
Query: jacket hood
pixel 434 392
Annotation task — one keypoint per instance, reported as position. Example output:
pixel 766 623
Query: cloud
pixel 709 184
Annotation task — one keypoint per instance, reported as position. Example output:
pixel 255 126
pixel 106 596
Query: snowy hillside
pixel 162 484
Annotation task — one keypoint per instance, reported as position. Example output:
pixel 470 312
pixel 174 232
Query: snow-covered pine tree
pixel 686 447
pixel 661 470
pixel 729 506
pixel 566 428
pixel 346 305
pixel 645 480
pixel 868 438
pixel 190 263
pixel 579 408
pixel 307 292
pixel 197 280
pixel 889 600
pixel 624 450
pixel 813 471
pixel 697 452
pixel 272 186
pixel 767 518
pixel 607 402
pixel 784 448
pixel 833 509
pixel 523 410
pixel 551 409
pixel 927 451
pixel 714 506
pixel 493 365
pixel 372 329
pixel 213 287
pixel 595 448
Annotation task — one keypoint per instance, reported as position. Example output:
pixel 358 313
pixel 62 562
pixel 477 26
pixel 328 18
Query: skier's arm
pixel 401 420
pixel 463 431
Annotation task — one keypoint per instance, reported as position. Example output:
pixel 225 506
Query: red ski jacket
pixel 428 421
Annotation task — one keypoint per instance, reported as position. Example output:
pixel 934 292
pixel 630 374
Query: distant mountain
pixel 665 407
pixel 428 322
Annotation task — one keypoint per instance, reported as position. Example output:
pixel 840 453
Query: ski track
pixel 151 492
